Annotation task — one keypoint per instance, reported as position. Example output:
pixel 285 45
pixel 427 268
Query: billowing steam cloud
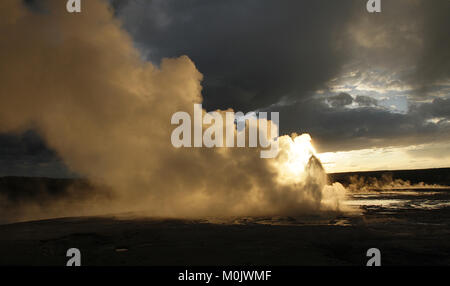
pixel 386 182
pixel 78 81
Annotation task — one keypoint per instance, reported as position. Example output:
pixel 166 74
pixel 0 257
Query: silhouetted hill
pixel 23 189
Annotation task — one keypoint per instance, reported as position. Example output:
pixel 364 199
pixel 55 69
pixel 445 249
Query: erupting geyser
pixel 298 166
pixel 108 118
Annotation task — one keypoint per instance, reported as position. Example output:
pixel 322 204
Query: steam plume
pixel 79 81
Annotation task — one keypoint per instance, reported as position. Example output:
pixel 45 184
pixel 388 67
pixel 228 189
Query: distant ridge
pixel 438 176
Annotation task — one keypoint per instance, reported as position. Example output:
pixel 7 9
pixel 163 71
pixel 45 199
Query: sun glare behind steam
pixel 295 153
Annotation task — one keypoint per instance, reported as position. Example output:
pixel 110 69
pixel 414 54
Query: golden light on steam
pixel 110 123
pixel 294 156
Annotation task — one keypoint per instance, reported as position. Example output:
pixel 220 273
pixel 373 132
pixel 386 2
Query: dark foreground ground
pixel 405 237
pixel 409 226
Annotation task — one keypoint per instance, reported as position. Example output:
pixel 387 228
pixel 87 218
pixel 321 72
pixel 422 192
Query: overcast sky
pixel 355 81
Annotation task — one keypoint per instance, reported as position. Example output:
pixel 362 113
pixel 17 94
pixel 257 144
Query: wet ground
pixel 409 226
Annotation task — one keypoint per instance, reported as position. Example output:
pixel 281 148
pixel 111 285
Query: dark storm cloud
pixel 439 108
pixel 252 53
pixel 362 100
pixel 27 154
pixel 338 129
pixel 408 37
pixel 255 54
pixel 434 63
pixel 340 100
pixel 344 99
